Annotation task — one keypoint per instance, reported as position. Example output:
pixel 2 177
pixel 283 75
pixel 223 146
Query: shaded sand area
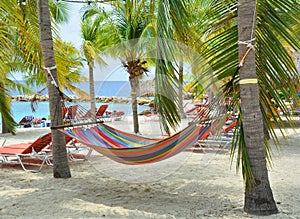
pixel 190 185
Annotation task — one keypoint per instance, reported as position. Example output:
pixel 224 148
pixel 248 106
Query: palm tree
pixel 91 49
pixel 8 122
pixel 21 49
pixel 69 65
pixel 127 22
pixel 133 20
pixel 258 193
pixel 60 165
pixel 273 66
pixel 171 18
pixel 23 25
pixel 130 23
pixel 268 51
pixel 7 51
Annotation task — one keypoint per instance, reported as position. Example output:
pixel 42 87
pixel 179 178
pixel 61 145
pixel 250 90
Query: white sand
pixel 191 185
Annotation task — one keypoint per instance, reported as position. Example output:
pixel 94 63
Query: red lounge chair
pixel 88 114
pixel 72 110
pixel 207 142
pixel 26 121
pixel 230 127
pixel 64 112
pixel 151 116
pixel 27 150
pixel 118 115
pixel 114 116
pixel 101 110
pixel 70 113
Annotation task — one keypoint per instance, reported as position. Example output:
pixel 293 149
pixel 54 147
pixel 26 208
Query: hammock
pixel 132 149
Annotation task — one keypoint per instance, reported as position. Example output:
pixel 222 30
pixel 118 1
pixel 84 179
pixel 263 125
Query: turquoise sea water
pixel 21 109
pixel 102 88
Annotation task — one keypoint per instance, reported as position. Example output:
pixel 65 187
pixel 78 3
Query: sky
pixel 71 32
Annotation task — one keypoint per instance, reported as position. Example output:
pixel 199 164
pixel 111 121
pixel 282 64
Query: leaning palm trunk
pixel 92 91
pixel 258 194
pixel 297 55
pixel 134 82
pixel 180 92
pixel 4 127
pixel 60 159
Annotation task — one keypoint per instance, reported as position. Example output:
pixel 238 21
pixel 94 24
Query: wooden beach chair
pixel 17 153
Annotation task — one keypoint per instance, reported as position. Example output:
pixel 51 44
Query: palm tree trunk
pixel 258 194
pixel 180 92
pixel 297 55
pixel 60 160
pixel 134 82
pixel 92 90
pixel 4 126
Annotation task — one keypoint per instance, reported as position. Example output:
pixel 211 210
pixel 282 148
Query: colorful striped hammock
pixel 133 149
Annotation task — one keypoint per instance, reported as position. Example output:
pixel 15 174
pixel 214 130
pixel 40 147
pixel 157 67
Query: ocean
pixel 102 88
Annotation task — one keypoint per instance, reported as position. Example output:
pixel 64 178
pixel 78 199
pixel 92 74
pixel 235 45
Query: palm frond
pixel 59 11
pixel 5 111
pixel 275 66
pixel 171 19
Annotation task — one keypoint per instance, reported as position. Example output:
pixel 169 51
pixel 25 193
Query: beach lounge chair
pixel 26 121
pixel 64 112
pixel 101 110
pixel 17 153
pixel 38 122
pixel 115 115
pixel 88 114
pixel 100 114
pixel 70 113
pixel 151 116
pixel 74 150
pixel 208 142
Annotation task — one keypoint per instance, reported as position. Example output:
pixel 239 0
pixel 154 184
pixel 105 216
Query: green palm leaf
pixel 275 66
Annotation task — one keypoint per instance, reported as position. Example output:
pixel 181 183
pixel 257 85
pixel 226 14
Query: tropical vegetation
pixel 234 64
pixel 24 54
pixel 131 22
pixel 21 53
pixel 244 51
pixel 91 49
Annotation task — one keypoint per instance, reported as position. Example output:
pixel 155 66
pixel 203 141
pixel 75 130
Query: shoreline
pixel 102 99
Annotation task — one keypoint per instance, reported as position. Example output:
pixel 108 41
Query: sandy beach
pixel 190 185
